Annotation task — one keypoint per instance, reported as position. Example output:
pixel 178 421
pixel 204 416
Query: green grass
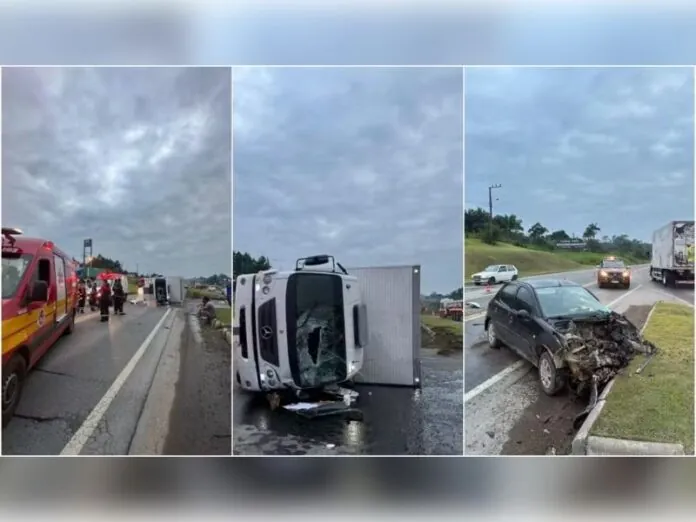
pixel 224 315
pixel 435 322
pixel 657 405
pixel 478 255
pixel 198 293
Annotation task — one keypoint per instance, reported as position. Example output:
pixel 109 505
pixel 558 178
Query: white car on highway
pixel 495 274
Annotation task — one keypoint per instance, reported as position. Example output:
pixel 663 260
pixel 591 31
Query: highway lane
pixel 499 386
pixel 112 389
pixel 396 420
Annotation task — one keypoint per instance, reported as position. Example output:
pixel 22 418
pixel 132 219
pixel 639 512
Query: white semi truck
pixel 673 253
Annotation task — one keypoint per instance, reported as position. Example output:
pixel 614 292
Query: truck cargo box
pixel 392 298
pixel 673 246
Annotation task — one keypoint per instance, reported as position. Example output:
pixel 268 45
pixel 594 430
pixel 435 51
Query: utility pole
pixel 490 207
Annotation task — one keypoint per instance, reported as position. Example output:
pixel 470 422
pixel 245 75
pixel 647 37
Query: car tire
pixel 552 380
pixel 13 374
pixel 491 280
pixel 627 286
pixel 514 278
pixel 493 340
pixel 477 284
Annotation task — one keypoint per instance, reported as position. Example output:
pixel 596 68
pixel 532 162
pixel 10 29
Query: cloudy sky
pixel 363 164
pixel 136 159
pixel 575 146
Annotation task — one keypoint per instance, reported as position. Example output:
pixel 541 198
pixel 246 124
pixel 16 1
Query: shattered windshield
pixel 13 268
pixel 560 301
pixel 316 329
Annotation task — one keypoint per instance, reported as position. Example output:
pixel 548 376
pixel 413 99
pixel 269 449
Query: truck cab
pixel 39 305
pixel 298 330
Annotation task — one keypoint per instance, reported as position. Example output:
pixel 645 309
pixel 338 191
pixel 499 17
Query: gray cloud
pixel 574 146
pixel 364 164
pixel 136 159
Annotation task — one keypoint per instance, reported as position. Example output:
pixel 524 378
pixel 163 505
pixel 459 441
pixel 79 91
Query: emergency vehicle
pixel 39 304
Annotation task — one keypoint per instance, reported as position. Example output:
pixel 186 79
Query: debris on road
pixel 595 351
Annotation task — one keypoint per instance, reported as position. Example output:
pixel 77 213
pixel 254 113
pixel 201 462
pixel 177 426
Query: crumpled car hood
pixel 595 351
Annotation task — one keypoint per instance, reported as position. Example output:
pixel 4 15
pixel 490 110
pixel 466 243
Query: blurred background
pixel 438 33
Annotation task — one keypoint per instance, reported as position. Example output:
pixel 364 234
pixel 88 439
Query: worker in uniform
pixel 105 301
pixel 82 297
pixel 92 293
pixel 119 297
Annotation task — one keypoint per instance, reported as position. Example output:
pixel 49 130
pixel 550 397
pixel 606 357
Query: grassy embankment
pixel 656 405
pixel 478 255
pixel 448 335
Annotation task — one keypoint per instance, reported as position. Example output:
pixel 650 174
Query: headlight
pixel 602 273
pixel 626 273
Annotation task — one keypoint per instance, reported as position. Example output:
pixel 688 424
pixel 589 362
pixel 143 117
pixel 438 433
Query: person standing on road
pixel 105 301
pixel 119 297
pixel 82 297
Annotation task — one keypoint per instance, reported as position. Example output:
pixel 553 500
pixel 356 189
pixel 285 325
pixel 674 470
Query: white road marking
pixel 493 380
pixel 83 434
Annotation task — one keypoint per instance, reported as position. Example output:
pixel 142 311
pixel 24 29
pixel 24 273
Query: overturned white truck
pixel 320 325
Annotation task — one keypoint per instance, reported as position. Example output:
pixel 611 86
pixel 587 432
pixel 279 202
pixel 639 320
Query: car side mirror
pixel 38 292
pixel 524 314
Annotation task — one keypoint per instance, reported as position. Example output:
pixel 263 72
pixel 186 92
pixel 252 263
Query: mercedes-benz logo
pixel 266 332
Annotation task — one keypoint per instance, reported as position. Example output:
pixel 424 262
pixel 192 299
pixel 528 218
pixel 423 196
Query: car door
pixel 524 330
pixel 501 276
pixel 501 309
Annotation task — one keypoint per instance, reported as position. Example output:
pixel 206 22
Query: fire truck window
pixel 44 271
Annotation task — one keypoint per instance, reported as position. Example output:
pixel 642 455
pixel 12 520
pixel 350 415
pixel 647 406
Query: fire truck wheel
pixel 71 325
pixel 13 376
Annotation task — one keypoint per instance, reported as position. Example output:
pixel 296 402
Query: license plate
pixel 615 281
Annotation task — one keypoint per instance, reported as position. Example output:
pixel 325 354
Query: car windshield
pixel 316 329
pixel 13 268
pixel 491 268
pixel 613 264
pixel 560 301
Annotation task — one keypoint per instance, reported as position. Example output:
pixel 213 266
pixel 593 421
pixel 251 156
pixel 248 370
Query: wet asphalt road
pixel 396 421
pixel 73 377
pixel 201 416
pixel 157 406
pixel 496 400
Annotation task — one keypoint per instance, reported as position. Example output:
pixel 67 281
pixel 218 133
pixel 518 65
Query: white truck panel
pixel 672 246
pixel 175 289
pixel 392 298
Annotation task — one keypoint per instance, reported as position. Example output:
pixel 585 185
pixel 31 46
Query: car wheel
pixel 551 378
pixel 493 340
pixel 71 326
pixel 514 278
pixel 627 286
pixel 477 284
pixel 13 376
pixel 491 280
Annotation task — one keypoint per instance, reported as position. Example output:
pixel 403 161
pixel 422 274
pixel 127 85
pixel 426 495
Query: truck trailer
pixel 672 260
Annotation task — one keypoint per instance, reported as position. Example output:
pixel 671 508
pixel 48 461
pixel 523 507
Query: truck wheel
pixel 664 278
pixel 13 376
pixel 551 378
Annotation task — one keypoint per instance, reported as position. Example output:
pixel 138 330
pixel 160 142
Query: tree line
pixel 508 228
